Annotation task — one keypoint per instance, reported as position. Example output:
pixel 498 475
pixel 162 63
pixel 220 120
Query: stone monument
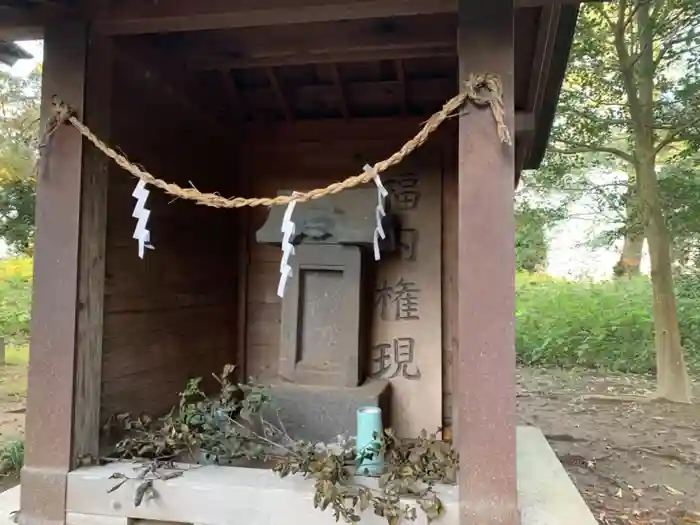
pixel 327 314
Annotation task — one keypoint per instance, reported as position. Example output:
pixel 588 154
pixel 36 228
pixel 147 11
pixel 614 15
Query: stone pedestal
pixel 320 413
pixel 326 315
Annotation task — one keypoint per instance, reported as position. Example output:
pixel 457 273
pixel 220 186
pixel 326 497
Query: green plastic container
pixel 369 432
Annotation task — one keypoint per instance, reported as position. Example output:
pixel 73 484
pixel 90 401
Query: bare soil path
pixel 636 463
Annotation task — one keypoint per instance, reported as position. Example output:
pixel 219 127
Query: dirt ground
pixel 13 389
pixel 636 463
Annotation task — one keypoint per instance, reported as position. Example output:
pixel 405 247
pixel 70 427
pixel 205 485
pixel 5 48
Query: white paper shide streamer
pixel 380 211
pixel 141 214
pixel 288 229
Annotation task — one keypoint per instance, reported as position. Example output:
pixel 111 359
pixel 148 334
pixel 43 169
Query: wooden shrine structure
pixel 249 98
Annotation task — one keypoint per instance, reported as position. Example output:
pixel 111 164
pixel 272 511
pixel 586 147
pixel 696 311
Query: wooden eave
pixel 10 53
pixel 295 60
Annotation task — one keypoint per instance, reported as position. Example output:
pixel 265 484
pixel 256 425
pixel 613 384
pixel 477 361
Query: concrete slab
pixel 546 494
pixel 228 495
pixel 9 503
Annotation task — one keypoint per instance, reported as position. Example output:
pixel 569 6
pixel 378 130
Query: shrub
pixel 604 325
pixel 11 457
pixel 15 298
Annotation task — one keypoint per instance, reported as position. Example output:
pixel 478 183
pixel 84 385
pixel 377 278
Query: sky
pixel 568 254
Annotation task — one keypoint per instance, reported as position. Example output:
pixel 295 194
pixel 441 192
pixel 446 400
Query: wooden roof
pixel 306 59
pixel 10 53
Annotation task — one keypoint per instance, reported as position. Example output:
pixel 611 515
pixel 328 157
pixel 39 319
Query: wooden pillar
pixel 65 351
pixel 485 368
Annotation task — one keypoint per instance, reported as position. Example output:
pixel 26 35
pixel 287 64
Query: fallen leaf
pixel 672 491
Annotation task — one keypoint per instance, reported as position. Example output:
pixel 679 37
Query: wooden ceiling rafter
pixel 339 42
pixel 340 90
pixel 149 63
pixel 234 95
pixel 431 94
pixel 401 77
pixel 431 50
pixel 278 89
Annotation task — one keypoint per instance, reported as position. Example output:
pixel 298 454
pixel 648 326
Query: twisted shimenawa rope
pixel 480 90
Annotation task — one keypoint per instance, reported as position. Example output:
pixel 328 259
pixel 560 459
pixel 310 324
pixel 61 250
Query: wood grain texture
pixel 173 315
pixel 485 389
pixel 91 271
pixel 52 363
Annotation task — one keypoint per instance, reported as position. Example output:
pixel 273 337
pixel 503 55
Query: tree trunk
pixel 631 254
pixel 673 382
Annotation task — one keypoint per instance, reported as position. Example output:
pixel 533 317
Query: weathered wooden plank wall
pixel 316 155
pixel 206 291
pixel 171 316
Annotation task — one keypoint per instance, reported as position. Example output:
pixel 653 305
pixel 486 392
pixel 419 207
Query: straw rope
pixel 480 90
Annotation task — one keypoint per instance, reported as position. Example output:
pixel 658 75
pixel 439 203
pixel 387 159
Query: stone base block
pixel 320 413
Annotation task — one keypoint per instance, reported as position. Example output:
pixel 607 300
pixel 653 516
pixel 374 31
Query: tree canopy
pixel 19 109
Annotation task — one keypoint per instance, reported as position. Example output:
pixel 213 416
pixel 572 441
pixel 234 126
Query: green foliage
pixel 531 245
pixel 600 116
pixel 19 126
pixel 11 457
pixel 606 325
pixel 230 425
pixel 15 298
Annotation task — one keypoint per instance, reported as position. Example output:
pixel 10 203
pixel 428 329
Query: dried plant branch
pixel 230 426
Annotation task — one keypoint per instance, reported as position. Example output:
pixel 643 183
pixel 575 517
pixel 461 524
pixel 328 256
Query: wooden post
pixel 54 307
pixel 64 372
pixel 485 368
pixel 93 230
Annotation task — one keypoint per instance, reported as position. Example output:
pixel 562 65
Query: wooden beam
pixel 431 50
pixel 485 366
pixel 21 25
pixel 525 122
pixel 18 22
pixel 92 256
pixel 279 94
pixel 356 40
pixel 231 90
pixel 52 363
pixel 31 5
pixel 388 92
pixel 340 90
pixel 155 68
pixel 540 72
pixel 137 16
pixel 401 77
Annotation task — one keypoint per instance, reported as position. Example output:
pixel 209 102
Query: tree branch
pixel 674 135
pixel 668 46
pixel 626 65
pixel 602 120
pixel 600 8
pixel 575 148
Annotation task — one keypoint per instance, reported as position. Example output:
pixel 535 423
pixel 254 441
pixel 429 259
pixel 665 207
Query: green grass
pixel 11 457
pixel 15 299
pixel 605 325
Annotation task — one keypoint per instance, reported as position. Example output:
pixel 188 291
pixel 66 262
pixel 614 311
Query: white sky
pixel 568 257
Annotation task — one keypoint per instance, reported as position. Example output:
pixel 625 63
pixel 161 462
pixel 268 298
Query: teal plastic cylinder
pixel 369 432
